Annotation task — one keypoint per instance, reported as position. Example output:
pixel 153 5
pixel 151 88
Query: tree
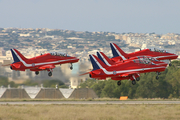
pixel 87 84
pixel 53 83
pixel 3 81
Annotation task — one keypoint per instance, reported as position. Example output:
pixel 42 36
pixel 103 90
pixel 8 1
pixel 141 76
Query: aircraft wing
pixel 44 67
pixel 128 73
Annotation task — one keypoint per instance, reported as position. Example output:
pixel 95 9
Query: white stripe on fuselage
pixel 165 56
pixel 122 71
pixel 119 52
pixel 36 64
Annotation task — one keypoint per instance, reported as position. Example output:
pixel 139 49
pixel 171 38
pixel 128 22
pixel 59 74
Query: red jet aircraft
pixel 43 62
pixel 127 70
pixel 109 62
pixel 119 54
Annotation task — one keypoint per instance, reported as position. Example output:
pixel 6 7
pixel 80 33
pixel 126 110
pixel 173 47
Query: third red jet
pixel 119 54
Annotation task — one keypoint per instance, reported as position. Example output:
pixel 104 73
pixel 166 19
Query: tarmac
pixel 91 102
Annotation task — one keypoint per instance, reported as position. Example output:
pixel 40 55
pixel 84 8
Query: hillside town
pixel 33 42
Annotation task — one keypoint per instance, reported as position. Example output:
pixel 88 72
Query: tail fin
pixel 17 56
pixel 104 58
pixel 96 62
pixel 117 51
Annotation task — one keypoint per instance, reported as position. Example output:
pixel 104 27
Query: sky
pixel 119 16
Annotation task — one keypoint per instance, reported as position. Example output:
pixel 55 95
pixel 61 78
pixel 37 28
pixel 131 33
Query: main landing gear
pixel 71 67
pixel 50 74
pixel 170 64
pixel 133 82
pixel 157 77
pixel 37 72
pixel 119 83
pixel 138 78
pixel 135 79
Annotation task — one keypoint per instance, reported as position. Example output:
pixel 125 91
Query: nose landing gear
pixel 50 74
pixel 71 67
pixel 37 72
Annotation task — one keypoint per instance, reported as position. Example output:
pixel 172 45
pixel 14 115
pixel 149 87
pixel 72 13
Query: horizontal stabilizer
pixel 96 72
pixel 17 66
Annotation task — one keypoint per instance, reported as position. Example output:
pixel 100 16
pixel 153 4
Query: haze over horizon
pixel 120 16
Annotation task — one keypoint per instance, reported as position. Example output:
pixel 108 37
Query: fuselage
pixel 147 52
pixel 129 67
pixel 46 59
pixel 155 61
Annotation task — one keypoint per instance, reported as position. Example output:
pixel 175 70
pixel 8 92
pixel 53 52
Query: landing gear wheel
pixel 157 77
pixel 138 78
pixel 119 83
pixel 170 64
pixel 50 74
pixel 36 72
pixel 133 82
pixel 71 67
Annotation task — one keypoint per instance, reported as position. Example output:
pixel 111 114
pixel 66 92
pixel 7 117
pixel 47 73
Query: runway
pixel 89 102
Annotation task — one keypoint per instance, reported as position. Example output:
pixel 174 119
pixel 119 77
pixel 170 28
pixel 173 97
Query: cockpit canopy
pixel 143 60
pixel 152 59
pixel 148 58
pixel 158 50
pixel 59 54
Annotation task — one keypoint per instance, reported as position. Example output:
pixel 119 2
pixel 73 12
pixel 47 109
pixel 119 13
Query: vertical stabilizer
pixel 17 56
pixel 105 59
pixel 96 62
pixel 117 51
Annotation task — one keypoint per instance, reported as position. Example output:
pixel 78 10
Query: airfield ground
pixel 90 112
pixel 89 109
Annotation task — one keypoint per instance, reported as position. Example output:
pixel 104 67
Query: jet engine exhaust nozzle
pixel 90 75
pixel 10 67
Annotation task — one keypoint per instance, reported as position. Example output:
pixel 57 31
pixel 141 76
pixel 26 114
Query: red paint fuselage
pixel 158 54
pixel 47 59
pixel 125 69
pixel 43 62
